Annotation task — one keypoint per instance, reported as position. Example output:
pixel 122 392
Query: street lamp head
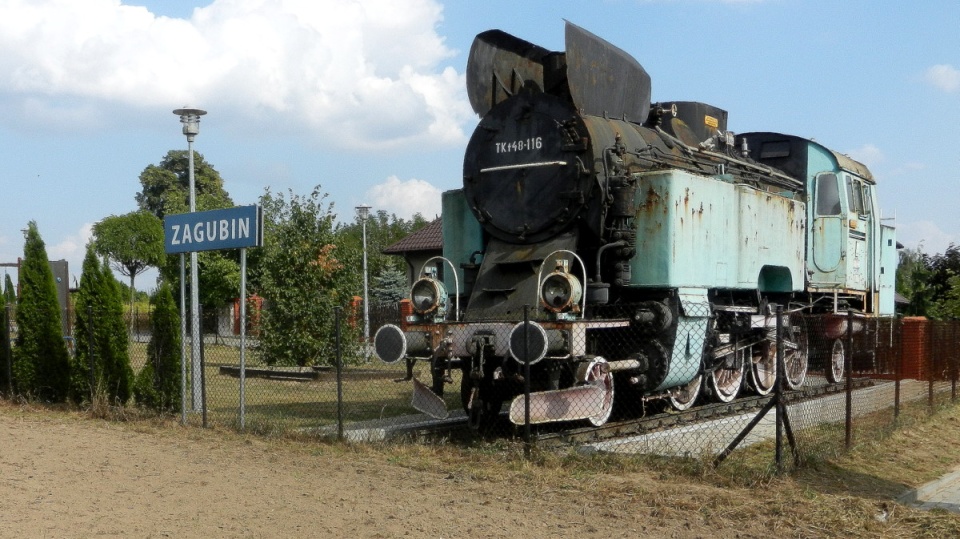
pixel 363 212
pixel 190 118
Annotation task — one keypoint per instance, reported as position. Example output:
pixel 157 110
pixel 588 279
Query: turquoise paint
pixel 462 234
pixel 687 352
pixel 845 246
pixel 827 235
pixel 887 272
pixel 698 231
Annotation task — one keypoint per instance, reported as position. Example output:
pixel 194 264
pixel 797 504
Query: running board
pixel 427 401
pixel 581 402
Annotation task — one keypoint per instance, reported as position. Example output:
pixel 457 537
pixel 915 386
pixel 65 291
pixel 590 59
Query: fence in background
pixel 865 376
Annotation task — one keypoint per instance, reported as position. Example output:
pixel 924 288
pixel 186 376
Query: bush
pixel 158 384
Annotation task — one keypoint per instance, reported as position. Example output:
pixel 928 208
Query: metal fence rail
pixel 864 376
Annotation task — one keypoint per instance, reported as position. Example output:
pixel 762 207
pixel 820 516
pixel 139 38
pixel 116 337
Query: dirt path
pixel 64 475
pixel 73 477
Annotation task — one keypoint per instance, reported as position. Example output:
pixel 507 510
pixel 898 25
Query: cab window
pixel 828 195
pixel 867 199
pixel 854 196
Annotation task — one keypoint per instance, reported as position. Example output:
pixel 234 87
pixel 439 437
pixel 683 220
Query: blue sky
pixel 367 98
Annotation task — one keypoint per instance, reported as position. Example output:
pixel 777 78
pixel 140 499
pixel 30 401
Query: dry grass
pixel 848 495
pixel 852 494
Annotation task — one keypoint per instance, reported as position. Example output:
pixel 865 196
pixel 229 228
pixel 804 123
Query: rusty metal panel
pixel 683 231
pixel 699 231
pixel 771 230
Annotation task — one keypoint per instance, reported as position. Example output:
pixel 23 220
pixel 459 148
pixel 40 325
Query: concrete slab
pixel 942 493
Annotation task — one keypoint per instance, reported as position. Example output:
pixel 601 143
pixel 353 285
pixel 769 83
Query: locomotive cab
pixel 851 253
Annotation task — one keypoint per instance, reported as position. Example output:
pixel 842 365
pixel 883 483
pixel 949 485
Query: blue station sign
pixel 230 228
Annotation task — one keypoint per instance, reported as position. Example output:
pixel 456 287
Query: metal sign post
pixel 231 228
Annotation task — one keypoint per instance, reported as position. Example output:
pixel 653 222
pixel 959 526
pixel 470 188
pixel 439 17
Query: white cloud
pixel 405 198
pixel 355 74
pixel 944 76
pixel 73 249
pixel 868 154
pixel 926 235
pixel 72 246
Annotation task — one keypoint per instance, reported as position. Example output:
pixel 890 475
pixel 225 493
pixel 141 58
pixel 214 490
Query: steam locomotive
pixel 603 245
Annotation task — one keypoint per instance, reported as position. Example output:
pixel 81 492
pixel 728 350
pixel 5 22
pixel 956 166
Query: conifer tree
pixel 100 331
pixel 158 383
pixel 9 291
pixel 41 365
pixel 4 337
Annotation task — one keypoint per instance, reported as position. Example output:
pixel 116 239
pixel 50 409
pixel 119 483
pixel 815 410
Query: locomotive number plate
pixel 522 145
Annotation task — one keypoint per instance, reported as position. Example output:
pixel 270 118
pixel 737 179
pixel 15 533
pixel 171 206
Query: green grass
pixel 369 392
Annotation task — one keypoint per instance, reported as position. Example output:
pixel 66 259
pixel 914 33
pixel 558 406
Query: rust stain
pixel 652 200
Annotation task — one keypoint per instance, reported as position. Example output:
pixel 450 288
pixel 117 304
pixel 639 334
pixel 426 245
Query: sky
pixel 367 98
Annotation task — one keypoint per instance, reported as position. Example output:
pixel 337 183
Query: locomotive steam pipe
pixel 600 251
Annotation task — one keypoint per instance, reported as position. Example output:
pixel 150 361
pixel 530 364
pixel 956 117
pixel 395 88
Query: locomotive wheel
pixel 727 380
pixel 682 398
pixel 835 368
pixel 596 373
pixel 796 352
pixel 763 368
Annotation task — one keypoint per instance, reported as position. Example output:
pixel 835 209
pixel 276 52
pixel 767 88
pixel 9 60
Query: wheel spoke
pixel 795 353
pixel 763 368
pixel 683 398
pixel 728 379
pixel 835 368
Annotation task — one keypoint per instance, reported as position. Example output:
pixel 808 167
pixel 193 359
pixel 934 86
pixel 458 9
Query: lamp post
pixel 363 211
pixel 190 118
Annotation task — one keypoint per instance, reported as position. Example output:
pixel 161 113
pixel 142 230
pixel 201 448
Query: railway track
pixel 673 419
pixel 560 435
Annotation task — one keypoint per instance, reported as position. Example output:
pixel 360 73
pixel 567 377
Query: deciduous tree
pixel 165 190
pixel 166 187
pixel 302 279
pixel 133 242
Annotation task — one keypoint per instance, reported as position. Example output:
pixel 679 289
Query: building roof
pixel 428 238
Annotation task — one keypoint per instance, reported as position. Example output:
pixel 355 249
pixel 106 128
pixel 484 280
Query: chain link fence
pixel 676 379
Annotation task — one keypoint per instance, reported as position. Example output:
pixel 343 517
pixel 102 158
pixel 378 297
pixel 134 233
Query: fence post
pixel 898 372
pixel 526 381
pixel 9 351
pixel 90 351
pixel 931 365
pixel 203 366
pixel 183 345
pixel 952 358
pixel 778 389
pixel 848 374
pixel 338 360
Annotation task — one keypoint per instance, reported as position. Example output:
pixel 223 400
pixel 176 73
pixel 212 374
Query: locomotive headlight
pixel 429 296
pixel 560 291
